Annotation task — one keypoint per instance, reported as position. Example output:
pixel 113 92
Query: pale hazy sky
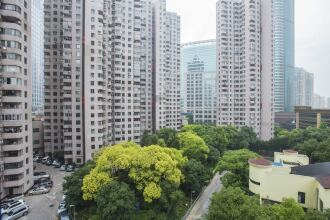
pixel 312 33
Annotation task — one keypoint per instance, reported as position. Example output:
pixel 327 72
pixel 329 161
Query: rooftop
pixel 313 170
pixel 260 161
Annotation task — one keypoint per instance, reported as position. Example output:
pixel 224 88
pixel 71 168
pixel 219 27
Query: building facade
pixel 198 81
pixel 284 54
pixel 303 88
pixel 308 184
pixel 102 72
pixel 38 134
pixel 307 116
pixel 319 101
pixel 16 165
pixel 244 65
pixel 37 58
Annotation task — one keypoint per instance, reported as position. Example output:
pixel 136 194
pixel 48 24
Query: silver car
pixel 16 213
pixel 38 191
pixel 10 206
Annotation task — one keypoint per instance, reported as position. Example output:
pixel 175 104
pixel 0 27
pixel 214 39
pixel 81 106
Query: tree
pixel 196 176
pixel 145 168
pixel 169 136
pixel 288 209
pixel 72 186
pixel 236 163
pixel 148 139
pixel 116 201
pixel 317 215
pixel 193 146
pixel 244 138
pixel 232 204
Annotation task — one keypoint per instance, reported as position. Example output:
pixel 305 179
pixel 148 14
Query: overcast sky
pixel 312 33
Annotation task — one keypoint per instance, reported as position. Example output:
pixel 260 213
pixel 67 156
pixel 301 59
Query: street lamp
pixel 73 206
pixel 191 195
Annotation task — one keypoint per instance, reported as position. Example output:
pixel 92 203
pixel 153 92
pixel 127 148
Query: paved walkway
pixel 202 204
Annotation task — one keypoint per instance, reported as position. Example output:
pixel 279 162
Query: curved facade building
pixel 16 166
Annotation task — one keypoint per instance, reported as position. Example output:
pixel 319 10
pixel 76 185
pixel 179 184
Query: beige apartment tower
pixel 16 165
pixel 244 65
pixel 101 76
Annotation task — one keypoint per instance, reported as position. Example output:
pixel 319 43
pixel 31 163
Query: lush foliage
pixel 236 163
pixel 193 146
pixel 233 203
pixel 146 167
pixel 72 186
pixel 116 201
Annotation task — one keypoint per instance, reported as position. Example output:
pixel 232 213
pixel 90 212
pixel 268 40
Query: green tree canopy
pixel 116 201
pixel 236 163
pixel 145 167
pixel 193 146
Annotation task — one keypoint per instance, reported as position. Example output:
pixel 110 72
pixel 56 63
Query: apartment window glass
pixel 301 197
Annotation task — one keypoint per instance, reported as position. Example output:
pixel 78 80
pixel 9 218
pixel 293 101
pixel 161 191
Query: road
pixel 44 207
pixel 201 206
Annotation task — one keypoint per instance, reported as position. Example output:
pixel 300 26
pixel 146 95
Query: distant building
pixel 198 81
pixel 284 56
pixel 245 65
pixel 37 55
pixel 303 88
pixel 328 102
pixel 38 134
pixel 306 116
pixel 290 176
pixel 319 101
pixel 286 120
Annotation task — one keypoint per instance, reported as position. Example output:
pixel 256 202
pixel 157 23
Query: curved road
pixel 202 204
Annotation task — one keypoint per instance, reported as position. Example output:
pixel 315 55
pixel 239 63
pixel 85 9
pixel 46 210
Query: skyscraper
pixel 198 81
pixel 284 57
pixel 101 73
pixel 319 101
pixel 244 65
pixel 304 88
pixel 37 59
pixel 16 165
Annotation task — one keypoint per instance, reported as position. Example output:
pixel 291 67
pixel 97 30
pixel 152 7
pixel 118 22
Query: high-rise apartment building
pixel 37 55
pixel 319 102
pixel 244 65
pixel 198 81
pixel 101 73
pixel 166 72
pixel 16 165
pixel 303 87
pixel 284 54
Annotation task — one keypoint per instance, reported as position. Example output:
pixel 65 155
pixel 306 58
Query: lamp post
pixel 191 195
pixel 74 213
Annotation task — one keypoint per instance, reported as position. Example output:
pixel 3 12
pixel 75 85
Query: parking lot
pixel 44 207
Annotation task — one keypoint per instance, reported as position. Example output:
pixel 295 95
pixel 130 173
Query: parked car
pixel 43 180
pixel 61 208
pixel 64 215
pixel 16 213
pixel 11 199
pixel 69 168
pixel 38 191
pixel 45 159
pixel 63 167
pixel 48 184
pixel 37 175
pixel 8 207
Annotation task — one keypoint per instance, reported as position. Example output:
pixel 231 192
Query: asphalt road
pixel 44 207
pixel 202 204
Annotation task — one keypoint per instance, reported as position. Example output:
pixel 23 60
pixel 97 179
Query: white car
pixel 61 208
pixel 16 213
pixel 63 168
pixel 8 207
pixel 39 175
pixel 38 191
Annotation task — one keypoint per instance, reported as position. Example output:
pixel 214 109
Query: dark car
pixel 48 184
pixel 43 180
pixel 58 165
pixel 49 162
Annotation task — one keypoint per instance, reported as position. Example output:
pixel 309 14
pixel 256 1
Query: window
pixel 301 197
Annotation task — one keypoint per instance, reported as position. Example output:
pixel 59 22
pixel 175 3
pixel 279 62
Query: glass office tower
pixel 198 81
pixel 284 58
pixel 37 52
